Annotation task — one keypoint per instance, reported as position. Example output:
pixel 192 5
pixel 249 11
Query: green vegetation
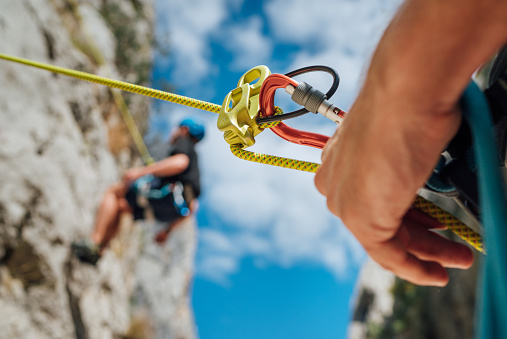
pixel 408 319
pixel 128 44
pixel 431 312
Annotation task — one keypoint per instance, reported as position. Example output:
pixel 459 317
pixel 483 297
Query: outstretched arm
pixel 402 119
pixel 170 166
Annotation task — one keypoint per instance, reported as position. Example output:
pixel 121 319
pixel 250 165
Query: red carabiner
pixel 267 108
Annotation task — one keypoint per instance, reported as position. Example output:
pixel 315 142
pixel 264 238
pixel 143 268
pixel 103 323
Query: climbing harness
pixel 249 109
pixel 149 187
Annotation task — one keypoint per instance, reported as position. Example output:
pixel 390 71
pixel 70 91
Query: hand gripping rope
pixel 248 110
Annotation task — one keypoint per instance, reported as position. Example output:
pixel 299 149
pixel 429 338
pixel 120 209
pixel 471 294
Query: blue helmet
pixel 195 127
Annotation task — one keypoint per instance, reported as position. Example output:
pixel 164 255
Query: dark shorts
pixel 163 208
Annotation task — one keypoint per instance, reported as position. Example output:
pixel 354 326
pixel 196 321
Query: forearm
pixel 394 133
pixel 170 166
pixel 432 47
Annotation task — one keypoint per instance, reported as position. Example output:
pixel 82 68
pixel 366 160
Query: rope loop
pixel 274 160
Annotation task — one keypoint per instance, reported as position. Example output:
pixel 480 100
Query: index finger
pixel 418 216
pixel 331 143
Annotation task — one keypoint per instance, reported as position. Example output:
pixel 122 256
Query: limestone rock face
pixel 163 281
pixel 388 307
pixel 62 143
pixel 374 300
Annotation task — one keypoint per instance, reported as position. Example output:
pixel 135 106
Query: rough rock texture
pixel 163 281
pixel 416 312
pixel 61 143
pixel 374 300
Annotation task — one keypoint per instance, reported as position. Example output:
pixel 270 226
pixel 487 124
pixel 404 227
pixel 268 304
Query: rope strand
pixel 125 86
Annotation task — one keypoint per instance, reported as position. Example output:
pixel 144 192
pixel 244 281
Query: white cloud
pixel 323 23
pixel 341 34
pixel 248 44
pixel 235 202
pixel 217 268
pixel 220 252
pixel 187 25
pixel 216 241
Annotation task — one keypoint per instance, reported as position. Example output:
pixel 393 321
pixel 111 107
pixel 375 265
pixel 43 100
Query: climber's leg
pixel 108 215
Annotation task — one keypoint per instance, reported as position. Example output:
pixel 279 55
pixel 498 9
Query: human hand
pixel 161 237
pixel 370 173
pixel 132 174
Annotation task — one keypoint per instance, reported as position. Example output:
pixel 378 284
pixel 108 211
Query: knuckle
pixel 319 182
pixel 334 204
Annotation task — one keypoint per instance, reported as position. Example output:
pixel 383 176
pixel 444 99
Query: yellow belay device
pixel 237 117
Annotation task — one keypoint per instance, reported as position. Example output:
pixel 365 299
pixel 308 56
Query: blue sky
pixel 272 261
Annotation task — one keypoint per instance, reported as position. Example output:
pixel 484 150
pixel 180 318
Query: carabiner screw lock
pixel 315 101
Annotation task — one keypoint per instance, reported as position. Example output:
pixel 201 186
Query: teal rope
pixel 492 305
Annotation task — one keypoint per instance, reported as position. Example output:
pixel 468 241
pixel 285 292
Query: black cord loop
pixel 302 111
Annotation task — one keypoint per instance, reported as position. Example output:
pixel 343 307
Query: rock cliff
pixel 391 308
pixel 62 142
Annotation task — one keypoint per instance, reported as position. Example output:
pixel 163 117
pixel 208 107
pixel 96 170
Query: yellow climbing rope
pixel 453 224
pixel 273 160
pixel 125 86
pixel 428 207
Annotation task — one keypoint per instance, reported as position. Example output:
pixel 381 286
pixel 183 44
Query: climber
pixel 166 190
